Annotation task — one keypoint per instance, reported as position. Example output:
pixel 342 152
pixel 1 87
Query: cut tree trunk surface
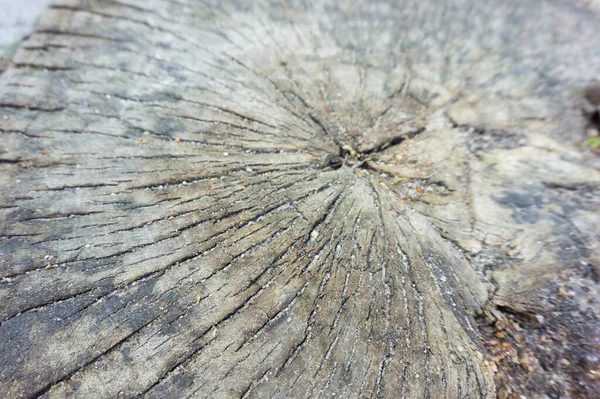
pixel 287 199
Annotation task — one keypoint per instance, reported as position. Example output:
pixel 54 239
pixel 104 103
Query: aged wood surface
pixel 286 199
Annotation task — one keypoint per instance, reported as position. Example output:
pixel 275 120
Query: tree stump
pixel 290 199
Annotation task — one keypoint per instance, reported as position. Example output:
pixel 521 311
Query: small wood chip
pixel 562 292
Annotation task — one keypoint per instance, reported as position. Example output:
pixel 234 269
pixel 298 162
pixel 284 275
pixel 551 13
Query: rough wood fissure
pixel 285 199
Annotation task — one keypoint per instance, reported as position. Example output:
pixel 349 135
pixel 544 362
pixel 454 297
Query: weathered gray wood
pixel 175 224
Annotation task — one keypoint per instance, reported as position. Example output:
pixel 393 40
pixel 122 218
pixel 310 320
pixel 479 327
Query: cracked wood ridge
pixel 252 199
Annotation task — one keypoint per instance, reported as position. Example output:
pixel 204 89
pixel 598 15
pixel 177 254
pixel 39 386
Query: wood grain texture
pixel 175 223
